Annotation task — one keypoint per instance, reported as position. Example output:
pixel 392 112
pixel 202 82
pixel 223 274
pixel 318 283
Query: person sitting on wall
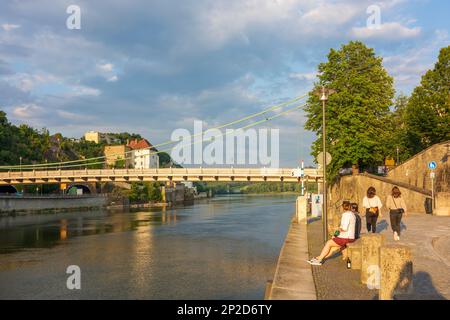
pixel 358 225
pixel 343 236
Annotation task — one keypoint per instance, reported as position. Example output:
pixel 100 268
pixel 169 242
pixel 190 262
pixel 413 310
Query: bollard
pixel 355 257
pixel 370 255
pixel 396 271
pixel 300 209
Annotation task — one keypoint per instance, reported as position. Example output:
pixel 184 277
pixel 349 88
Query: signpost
pixel 432 166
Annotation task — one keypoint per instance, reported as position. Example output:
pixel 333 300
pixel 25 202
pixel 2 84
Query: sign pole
pixel 432 192
pixel 323 94
pixel 432 166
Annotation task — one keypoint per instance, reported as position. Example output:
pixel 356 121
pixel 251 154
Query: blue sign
pixel 432 165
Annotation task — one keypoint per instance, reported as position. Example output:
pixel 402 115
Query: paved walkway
pixel 333 280
pixel 429 238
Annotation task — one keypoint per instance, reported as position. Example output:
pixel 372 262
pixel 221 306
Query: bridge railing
pixel 252 172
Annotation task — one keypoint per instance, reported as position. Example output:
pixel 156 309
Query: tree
pixel 154 191
pixel 427 115
pixel 356 114
pixel 138 192
pixel 398 130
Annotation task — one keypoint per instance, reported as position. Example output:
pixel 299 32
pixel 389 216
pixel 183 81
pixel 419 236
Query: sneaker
pixel 314 262
pixel 396 237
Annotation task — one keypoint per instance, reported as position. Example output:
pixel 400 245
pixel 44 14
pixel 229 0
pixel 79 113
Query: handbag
pixel 399 210
pixel 371 213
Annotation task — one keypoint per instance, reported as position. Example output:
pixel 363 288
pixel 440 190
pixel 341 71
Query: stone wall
pixel 415 171
pixel 354 188
pixel 30 204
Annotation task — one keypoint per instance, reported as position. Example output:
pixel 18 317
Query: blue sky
pixel 153 66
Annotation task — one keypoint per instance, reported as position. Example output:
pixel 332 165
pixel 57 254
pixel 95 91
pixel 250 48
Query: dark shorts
pixel 342 242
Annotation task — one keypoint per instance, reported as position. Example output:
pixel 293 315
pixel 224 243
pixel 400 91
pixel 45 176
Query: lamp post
pixel 398 161
pixel 324 94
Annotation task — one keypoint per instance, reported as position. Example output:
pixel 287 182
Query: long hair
pixel 346 205
pixel 371 192
pixel 396 192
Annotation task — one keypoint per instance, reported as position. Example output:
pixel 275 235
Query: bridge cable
pixel 188 144
pixel 85 161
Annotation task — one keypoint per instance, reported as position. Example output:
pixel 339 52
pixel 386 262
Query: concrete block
pixel 355 255
pixel 396 271
pixel 301 209
pixel 370 254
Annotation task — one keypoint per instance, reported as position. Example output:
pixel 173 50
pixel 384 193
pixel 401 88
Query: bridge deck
pixel 163 174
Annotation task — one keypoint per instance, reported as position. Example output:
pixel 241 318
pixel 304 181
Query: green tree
pixel 138 192
pixel 356 114
pixel 398 130
pixel 427 116
pixel 154 191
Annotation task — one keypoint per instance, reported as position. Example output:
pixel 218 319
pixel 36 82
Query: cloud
pixel 27 82
pixel 28 111
pixel 9 27
pixel 73 116
pixel 82 91
pixel 166 63
pixel 107 70
pixel 106 67
pixel 409 66
pixel 303 76
pixel 386 31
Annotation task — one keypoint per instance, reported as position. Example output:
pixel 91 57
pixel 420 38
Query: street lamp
pixel 324 94
pixel 20 159
pixel 398 161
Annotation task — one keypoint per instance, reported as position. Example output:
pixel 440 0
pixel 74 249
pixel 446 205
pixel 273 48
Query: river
pixel 222 248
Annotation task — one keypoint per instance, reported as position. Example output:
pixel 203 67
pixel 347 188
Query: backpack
pixel 357 226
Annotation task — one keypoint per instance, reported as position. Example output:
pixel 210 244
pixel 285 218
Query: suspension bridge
pixel 163 175
pixel 79 171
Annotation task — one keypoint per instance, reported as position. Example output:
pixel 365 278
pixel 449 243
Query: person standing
pixel 372 205
pixel 397 209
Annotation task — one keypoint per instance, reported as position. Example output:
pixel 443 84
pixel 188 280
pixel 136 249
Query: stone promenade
pixel 429 238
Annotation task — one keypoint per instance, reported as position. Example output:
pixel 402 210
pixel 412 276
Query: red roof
pixel 141 144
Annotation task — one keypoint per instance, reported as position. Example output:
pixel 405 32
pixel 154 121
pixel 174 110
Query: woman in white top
pixel 372 205
pixel 397 209
pixel 343 236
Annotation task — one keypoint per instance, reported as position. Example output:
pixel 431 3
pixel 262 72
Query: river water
pixel 222 248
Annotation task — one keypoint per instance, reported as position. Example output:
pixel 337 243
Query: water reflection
pixel 225 248
pixel 46 231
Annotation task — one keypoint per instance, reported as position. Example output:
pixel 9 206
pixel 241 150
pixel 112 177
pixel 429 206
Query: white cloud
pixel 27 82
pixel 73 116
pixel 9 27
pixel 387 31
pixel 408 67
pixel 79 90
pixel 107 71
pixel 305 76
pixel 27 111
pixel 106 67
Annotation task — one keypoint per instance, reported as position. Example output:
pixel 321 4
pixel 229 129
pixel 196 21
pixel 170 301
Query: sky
pixel 151 67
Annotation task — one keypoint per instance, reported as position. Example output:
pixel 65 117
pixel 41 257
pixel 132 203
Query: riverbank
pixel 50 204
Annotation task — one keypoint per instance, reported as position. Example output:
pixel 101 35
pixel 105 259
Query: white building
pixel 144 156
